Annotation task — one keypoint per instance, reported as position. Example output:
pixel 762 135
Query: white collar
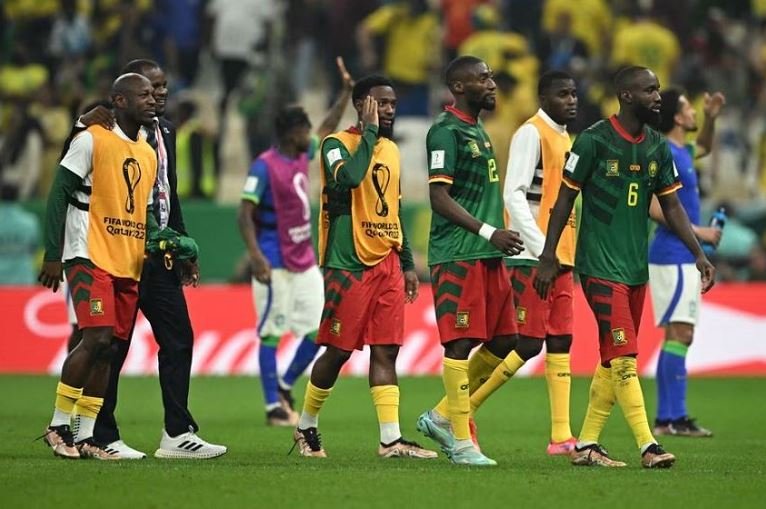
pixel 548 120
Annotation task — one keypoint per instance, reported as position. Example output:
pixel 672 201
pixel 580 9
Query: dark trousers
pixel 161 300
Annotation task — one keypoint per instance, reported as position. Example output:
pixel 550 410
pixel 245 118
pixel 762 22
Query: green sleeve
pixel 442 154
pixel 405 255
pixel 345 169
pixel 64 186
pixel 581 160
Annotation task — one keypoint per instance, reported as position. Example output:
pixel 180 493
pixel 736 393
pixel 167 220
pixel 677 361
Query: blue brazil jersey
pixel 258 190
pixel 667 248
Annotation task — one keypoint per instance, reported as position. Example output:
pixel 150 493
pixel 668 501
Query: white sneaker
pixel 124 451
pixel 187 446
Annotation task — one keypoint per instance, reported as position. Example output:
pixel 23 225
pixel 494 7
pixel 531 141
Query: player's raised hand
pixel 345 76
pixel 507 241
pixel 411 284
pixel 369 112
pixel 51 275
pixel 99 116
pixel 707 272
pixel 547 270
pixel 713 104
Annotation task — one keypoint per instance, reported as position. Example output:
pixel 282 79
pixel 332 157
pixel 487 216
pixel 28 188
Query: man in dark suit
pixel 161 299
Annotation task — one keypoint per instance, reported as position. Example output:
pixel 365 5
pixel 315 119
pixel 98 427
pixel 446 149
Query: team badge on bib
pixel 335 327
pixel 462 320
pixel 619 338
pixel 612 168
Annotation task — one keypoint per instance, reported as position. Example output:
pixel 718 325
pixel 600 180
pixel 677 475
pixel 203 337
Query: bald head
pixel 632 78
pixel 132 96
pixel 461 69
pixel 638 91
pixel 129 83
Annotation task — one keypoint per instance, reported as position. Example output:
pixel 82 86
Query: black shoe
pixel 687 427
pixel 657 457
pixel 309 443
pixel 286 397
pixel 280 416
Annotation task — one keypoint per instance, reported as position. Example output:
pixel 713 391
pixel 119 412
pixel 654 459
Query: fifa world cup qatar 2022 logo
pixel 131 172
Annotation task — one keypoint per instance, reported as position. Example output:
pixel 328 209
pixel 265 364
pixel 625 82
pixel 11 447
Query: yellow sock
pixel 480 368
pixel 600 405
pixel 627 388
pixel 559 378
pixel 66 397
pixel 455 378
pixel 88 406
pixel 386 400
pixel 315 398
pixel 505 370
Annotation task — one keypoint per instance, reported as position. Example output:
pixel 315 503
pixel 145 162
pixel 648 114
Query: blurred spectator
pixel 21 77
pixel 457 23
pixel 523 17
pixel 21 152
pixel 19 240
pixel 304 22
pixel 560 49
pixel 70 35
pixel 645 42
pixel 239 28
pixel 505 52
pixel 591 22
pixel 410 51
pixel 180 25
pixel 195 157
pixel 342 18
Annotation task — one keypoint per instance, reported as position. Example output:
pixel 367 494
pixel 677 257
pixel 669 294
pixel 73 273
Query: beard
pixel 386 132
pixel 488 103
pixel 648 117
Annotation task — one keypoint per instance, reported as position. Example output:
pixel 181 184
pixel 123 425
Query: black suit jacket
pixel 176 220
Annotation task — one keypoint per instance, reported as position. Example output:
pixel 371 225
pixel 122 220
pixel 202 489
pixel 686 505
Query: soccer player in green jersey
pixel 618 164
pixel 470 284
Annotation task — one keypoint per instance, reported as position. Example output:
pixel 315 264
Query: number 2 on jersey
pixel 632 194
pixel 492 169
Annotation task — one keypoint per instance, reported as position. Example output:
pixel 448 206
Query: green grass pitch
pixel 726 471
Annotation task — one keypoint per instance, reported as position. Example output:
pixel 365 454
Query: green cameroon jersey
pixel 460 154
pixel 617 175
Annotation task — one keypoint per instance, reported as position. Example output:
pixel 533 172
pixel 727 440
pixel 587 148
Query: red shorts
pixel 363 307
pixel 538 318
pixel 473 300
pixel 102 300
pixel 617 308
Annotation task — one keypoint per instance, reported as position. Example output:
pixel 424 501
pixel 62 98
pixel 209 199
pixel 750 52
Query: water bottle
pixel 717 221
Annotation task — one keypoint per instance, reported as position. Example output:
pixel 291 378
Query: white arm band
pixel 486 231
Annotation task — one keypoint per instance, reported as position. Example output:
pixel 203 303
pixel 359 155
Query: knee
pixel 459 349
pixel 528 348
pixel 99 343
pixel 384 355
pixel 336 356
pixel 558 344
pixel 501 346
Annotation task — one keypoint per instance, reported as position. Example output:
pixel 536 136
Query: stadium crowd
pixel 232 64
